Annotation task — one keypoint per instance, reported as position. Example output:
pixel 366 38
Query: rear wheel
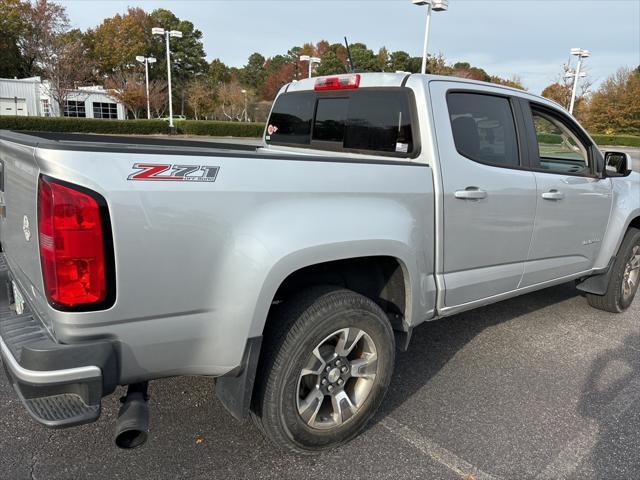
pixel 625 277
pixel 325 368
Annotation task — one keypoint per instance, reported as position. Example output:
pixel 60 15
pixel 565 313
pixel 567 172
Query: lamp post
pixel 311 60
pixel 147 61
pixel 167 34
pixel 581 54
pixel 245 105
pixel 436 6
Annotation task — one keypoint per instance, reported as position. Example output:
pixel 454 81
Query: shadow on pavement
pixel 434 344
pixel 611 398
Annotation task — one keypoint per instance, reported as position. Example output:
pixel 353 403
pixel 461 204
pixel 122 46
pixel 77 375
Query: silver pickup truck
pixel 291 272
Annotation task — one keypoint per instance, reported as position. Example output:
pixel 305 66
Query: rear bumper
pixel 60 385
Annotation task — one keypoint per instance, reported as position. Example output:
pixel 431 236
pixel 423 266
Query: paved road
pixel 537 387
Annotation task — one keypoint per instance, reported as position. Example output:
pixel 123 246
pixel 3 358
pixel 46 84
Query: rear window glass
pixel 331 118
pixel 364 120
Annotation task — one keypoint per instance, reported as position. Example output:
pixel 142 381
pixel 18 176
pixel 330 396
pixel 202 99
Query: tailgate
pixel 18 215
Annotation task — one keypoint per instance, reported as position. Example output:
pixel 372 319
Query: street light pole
pixel 147 61
pixel 436 6
pixel 425 48
pixel 580 53
pixel 167 34
pixel 146 75
pixel 245 105
pixel 311 60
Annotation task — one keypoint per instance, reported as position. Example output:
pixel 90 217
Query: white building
pixel 30 97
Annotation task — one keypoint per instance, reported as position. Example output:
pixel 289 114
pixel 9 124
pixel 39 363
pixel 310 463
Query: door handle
pixel 553 195
pixel 471 193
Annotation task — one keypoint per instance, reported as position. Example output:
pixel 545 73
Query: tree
pixel 13 28
pixel 219 73
pixel 232 101
pixel 364 59
pixel 514 82
pixel 383 58
pixel 399 61
pixel 61 68
pixel 559 93
pixel 158 98
pixel 252 75
pixel 615 107
pixel 130 90
pixel 330 64
pixel 322 47
pixel 465 70
pixel 117 41
pixel 45 22
pixel 201 97
pixel 277 79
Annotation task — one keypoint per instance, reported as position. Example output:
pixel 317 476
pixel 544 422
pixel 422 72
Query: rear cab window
pixel 375 121
pixel 484 128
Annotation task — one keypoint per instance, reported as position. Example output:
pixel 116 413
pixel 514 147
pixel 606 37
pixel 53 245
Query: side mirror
pixel 617 164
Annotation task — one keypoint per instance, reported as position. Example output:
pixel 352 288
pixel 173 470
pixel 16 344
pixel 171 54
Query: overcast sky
pixel 528 38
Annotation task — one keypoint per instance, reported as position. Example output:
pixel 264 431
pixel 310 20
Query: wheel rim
pixel 337 379
pixel 631 276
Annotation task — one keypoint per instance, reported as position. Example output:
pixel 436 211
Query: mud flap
pixel 235 390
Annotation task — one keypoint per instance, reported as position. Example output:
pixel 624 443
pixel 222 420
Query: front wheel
pixel 325 368
pixel 625 277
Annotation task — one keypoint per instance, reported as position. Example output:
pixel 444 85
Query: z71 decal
pixel 153 172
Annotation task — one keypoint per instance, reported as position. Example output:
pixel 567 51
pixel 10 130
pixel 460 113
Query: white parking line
pixel 435 451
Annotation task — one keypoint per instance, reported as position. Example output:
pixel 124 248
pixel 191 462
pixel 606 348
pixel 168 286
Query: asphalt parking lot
pixel 541 386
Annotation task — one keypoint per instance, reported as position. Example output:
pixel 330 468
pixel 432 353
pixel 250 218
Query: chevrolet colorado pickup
pixel 292 272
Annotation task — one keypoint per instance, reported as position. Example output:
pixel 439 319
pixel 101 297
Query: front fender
pixel 625 209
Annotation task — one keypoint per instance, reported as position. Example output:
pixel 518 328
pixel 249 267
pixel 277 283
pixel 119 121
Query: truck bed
pixel 178 147
pixel 118 143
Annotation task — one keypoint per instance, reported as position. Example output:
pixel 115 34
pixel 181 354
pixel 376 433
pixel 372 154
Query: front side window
pixel 484 128
pixel 374 120
pixel 74 109
pixel 560 150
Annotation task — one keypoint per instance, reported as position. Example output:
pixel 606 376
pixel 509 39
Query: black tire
pixel 614 301
pixel 294 331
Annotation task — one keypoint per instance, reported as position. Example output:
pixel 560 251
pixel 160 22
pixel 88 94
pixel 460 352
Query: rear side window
pixel 484 128
pixel 374 120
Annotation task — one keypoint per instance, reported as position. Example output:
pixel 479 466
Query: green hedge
pixel 84 125
pixel 612 140
pixel 203 127
pixel 220 129
pixel 549 138
pixel 131 127
pixel 617 140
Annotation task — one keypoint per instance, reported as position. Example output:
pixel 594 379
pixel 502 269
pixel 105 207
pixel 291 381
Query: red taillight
pixel 339 82
pixel 72 246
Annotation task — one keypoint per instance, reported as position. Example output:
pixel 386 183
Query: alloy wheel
pixel 337 379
